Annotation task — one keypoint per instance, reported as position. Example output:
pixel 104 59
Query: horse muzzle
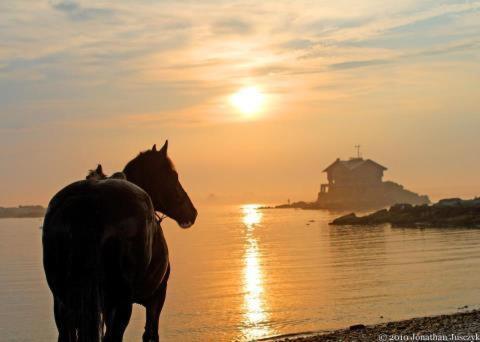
pixel 186 225
pixel 188 221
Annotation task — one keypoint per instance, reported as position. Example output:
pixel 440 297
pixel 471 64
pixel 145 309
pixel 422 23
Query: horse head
pixel 155 173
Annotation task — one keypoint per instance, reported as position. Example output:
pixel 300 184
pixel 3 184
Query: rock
pixel 379 216
pixel 449 202
pixel 22 211
pixel 346 219
pixel 357 327
pixel 401 207
pixel 445 213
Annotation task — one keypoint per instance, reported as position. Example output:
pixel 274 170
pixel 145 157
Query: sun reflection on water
pixel 251 215
pixel 255 323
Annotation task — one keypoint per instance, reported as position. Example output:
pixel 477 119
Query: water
pixel 242 273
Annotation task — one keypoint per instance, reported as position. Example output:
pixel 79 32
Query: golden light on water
pixel 248 100
pixel 251 215
pixel 255 323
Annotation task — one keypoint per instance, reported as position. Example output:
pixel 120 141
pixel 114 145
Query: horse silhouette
pixel 104 249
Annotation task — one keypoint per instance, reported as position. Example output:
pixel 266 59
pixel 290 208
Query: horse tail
pixel 84 295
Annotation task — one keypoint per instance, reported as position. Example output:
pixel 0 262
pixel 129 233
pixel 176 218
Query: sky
pixel 83 82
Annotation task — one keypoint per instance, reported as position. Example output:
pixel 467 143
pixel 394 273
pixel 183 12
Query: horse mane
pixel 146 156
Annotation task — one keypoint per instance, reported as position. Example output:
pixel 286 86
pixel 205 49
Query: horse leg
pixel 154 308
pixel 65 332
pixel 116 321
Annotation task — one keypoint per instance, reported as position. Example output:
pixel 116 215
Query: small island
pixel 452 212
pixel 22 211
pixel 357 184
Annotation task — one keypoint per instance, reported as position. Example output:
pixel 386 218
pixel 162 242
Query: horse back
pixel 103 226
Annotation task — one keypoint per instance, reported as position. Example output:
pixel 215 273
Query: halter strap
pixel 159 218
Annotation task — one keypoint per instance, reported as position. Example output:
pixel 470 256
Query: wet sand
pixel 464 326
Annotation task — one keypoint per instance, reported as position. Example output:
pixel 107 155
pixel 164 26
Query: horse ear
pixel 154 148
pixel 163 150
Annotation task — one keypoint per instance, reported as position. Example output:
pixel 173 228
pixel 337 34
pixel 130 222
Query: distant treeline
pixel 22 211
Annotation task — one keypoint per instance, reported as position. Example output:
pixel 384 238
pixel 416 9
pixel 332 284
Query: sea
pixel 242 273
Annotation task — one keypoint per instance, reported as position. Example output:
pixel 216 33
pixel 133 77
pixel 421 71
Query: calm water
pixel 241 274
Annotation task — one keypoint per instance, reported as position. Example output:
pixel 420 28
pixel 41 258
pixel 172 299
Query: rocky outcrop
pixel 453 212
pixel 22 211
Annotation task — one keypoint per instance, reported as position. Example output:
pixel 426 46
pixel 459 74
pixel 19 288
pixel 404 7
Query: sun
pixel 248 100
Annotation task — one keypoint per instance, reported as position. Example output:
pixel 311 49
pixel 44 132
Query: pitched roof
pixel 353 163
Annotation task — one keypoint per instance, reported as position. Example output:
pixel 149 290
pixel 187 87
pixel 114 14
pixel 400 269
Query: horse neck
pixel 140 182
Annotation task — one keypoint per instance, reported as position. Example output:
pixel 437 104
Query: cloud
pixel 438 50
pixel 78 13
pixel 297 44
pixel 448 49
pixel 272 70
pixel 386 24
pixel 359 64
pixel 231 27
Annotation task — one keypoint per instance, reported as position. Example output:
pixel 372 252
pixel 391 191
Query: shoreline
pixel 464 326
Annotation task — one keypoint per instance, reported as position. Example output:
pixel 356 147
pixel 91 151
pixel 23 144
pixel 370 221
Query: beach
pixel 463 326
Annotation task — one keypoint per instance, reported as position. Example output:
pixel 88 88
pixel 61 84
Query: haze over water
pixel 241 273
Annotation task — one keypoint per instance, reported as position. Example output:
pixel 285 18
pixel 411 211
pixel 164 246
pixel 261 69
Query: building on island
pixel 352 176
pixel 358 183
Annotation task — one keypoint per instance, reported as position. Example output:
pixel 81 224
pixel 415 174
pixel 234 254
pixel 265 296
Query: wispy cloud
pixel 381 25
pixel 438 50
pixel 77 12
pixel 359 64
pixel 297 44
pixel 231 26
